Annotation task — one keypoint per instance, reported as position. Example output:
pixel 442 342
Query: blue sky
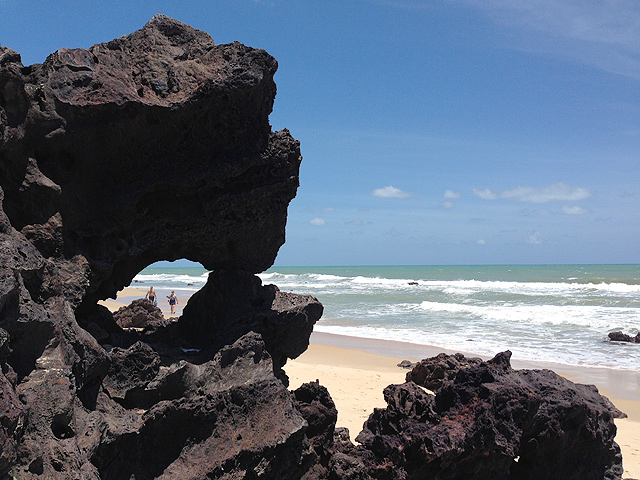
pixel 432 132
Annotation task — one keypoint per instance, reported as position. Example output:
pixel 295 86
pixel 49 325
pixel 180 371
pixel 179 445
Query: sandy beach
pixel 129 294
pixel 356 371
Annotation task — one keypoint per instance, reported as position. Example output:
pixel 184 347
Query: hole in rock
pixel 211 310
pixel 139 313
pixel 60 426
pixel 182 277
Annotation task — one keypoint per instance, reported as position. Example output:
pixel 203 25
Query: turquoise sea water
pixel 554 313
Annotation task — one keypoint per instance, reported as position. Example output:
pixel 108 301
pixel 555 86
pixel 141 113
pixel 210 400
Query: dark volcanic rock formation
pixel 154 146
pixel 623 337
pixel 234 302
pixel 140 313
pixel 231 418
pixel 487 420
pixel 157 146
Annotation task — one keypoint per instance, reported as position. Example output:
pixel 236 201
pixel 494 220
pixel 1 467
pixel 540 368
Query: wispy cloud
pixel 534 238
pixel 357 222
pixel 558 192
pixel 450 194
pixel 390 192
pixel 602 33
pixel 318 222
pixel 574 210
pixel 485 194
pixel 480 241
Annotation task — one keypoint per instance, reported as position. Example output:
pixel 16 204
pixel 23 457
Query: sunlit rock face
pixel 154 146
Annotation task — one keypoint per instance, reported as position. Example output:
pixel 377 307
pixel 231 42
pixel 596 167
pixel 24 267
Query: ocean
pixel 549 313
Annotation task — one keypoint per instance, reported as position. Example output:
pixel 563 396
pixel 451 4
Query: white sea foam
pixel 456 287
pixel 170 279
pixel 575 315
pixel 558 314
pixel 530 349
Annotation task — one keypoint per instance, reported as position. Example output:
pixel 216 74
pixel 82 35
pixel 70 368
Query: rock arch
pixel 154 146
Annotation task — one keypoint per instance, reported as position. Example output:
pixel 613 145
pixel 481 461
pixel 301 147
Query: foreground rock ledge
pixel 157 146
pixel 487 420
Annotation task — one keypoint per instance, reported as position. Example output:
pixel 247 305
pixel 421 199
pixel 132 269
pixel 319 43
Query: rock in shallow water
pixel 623 337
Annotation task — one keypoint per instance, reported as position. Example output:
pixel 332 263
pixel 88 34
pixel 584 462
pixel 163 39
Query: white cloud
pixel 485 194
pixel 534 238
pixel 357 221
pixel 558 192
pixel 390 192
pixel 447 204
pixel 318 222
pixel 450 194
pixel 574 210
pixel 480 241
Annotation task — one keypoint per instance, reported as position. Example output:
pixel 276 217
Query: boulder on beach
pixel 140 313
pixel 487 420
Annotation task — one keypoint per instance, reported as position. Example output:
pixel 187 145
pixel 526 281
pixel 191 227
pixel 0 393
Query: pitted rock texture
pixel 156 145
pixel 487 420
pixel 233 302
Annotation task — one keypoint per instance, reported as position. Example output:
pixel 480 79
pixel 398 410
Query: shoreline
pixel 622 384
pixel 129 294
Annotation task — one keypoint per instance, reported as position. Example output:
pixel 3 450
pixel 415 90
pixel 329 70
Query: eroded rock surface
pixel 140 313
pixel 487 420
pixel 154 146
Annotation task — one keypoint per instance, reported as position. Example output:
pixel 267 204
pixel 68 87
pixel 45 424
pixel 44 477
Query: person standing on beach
pixel 173 301
pixel 151 296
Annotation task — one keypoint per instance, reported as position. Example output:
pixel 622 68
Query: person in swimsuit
pixel 173 301
pixel 151 295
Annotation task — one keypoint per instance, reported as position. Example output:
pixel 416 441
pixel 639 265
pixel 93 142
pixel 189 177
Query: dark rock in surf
pixel 623 337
